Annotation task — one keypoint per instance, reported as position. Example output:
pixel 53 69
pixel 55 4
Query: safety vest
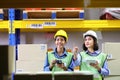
pixel 66 60
pixel 85 66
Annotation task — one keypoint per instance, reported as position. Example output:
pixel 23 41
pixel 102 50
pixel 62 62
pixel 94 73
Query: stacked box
pixel 31 57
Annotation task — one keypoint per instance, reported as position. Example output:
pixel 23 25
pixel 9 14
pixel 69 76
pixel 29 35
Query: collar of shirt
pixel 95 53
pixel 60 56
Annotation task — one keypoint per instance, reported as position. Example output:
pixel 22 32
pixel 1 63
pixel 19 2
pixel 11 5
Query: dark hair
pixel 95 44
pixel 61 36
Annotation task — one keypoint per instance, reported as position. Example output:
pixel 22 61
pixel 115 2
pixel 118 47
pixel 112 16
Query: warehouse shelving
pixel 69 25
pixel 14 27
pixel 54 14
pixel 4 26
pixel 49 25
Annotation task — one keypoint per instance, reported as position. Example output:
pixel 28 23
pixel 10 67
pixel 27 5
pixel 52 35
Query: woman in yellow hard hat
pixel 59 59
pixel 91 59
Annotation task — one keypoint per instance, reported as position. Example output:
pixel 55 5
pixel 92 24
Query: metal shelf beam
pixel 69 25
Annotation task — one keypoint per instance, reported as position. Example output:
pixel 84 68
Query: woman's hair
pixel 95 45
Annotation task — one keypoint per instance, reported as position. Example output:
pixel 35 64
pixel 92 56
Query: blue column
pixel 81 15
pixel 11 31
pixel 14 35
pixel 1 16
pixel 25 16
pixel 12 76
pixel 53 16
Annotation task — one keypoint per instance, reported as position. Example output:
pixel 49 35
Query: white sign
pixel 49 23
pixel 35 26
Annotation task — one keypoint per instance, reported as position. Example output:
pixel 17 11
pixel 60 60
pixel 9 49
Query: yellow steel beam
pixel 4 24
pixel 69 25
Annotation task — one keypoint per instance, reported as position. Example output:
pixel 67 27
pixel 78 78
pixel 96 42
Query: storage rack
pixel 14 26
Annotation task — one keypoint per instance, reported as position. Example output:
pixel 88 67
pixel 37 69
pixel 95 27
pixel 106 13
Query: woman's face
pixel 89 42
pixel 60 42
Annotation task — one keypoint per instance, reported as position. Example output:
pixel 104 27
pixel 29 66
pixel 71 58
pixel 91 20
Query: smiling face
pixel 89 42
pixel 60 42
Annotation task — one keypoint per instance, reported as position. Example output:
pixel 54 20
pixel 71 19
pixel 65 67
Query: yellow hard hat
pixel 61 33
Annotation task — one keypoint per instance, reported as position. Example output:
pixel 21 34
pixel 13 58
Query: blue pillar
pixel 12 77
pixel 81 15
pixel 1 16
pixel 53 16
pixel 11 31
pixel 14 35
pixel 12 39
pixel 25 16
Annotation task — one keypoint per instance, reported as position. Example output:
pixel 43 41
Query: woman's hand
pixel 52 64
pixel 75 51
pixel 62 66
pixel 95 65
